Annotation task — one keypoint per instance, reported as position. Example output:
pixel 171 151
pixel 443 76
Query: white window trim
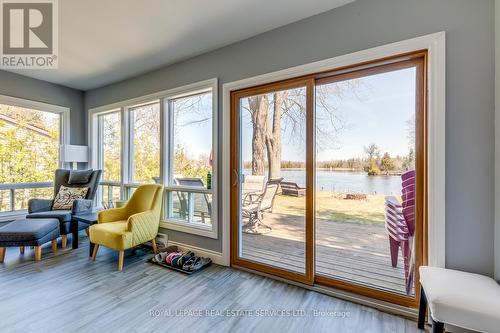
pixel 64 138
pixel 436 76
pixel 63 111
pixel 165 154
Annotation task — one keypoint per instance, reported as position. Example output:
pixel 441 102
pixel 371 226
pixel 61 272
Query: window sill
pixel 190 228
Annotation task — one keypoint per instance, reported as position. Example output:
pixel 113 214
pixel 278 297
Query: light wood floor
pixel 66 292
pixel 352 251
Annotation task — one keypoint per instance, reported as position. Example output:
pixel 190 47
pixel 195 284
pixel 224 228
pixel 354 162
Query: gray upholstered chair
pixel 42 208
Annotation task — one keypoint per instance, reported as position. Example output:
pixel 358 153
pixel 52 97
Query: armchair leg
pixel 21 249
pixel 155 249
pixel 94 253
pixel 422 309
pixel 53 243
pixel 120 260
pixel 64 241
pixel 38 253
pixel 2 254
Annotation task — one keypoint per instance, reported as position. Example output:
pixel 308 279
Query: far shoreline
pixel 393 173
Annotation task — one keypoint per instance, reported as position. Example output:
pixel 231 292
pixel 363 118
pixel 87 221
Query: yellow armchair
pixel 135 223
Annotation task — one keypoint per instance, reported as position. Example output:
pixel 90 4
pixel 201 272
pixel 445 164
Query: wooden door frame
pixel 236 260
pixel 417 59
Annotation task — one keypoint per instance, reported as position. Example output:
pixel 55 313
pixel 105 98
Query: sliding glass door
pixel 369 176
pixel 328 178
pixel 270 233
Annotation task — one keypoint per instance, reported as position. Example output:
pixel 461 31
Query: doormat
pixel 186 262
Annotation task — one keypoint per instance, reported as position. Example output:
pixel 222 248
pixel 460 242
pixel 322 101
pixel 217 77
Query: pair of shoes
pixel 195 263
pixel 170 257
pixel 180 260
pixel 160 257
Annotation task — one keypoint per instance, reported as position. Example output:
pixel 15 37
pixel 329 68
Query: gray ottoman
pixel 29 232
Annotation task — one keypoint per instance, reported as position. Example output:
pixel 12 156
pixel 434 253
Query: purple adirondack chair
pixel 400 225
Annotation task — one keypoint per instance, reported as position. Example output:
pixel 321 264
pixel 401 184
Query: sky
pixel 193 134
pixel 377 112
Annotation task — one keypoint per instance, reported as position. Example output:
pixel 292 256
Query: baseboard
pixel 217 257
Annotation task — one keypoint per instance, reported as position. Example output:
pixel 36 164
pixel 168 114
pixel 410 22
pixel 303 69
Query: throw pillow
pixel 79 176
pixel 64 199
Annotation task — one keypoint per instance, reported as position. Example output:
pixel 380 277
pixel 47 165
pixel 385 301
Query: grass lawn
pixel 333 206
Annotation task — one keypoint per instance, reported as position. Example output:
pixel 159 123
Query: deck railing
pixel 15 196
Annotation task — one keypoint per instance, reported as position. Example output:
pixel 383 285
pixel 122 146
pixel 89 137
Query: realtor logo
pixel 29 34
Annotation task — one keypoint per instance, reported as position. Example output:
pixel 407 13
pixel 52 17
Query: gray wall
pixel 497 139
pixel 363 24
pixel 19 86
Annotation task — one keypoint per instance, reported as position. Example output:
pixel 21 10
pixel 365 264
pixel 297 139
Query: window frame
pixel 99 157
pixel 64 134
pixel 165 99
pixel 129 113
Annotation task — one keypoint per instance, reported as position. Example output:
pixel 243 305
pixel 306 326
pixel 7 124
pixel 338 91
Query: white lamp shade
pixel 73 153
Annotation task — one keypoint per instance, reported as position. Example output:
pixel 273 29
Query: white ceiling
pixel 104 41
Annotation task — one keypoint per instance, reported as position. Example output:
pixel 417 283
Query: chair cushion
pixel 61 215
pixel 24 230
pixel 463 299
pixel 64 199
pixel 114 235
pixel 79 176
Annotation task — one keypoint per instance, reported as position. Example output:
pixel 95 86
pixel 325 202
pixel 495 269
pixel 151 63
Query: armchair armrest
pixel 39 205
pixel 112 215
pixel 81 206
pixel 147 223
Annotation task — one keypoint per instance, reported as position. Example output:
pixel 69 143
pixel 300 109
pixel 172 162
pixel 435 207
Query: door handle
pixel 235 176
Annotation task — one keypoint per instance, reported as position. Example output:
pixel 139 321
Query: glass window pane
pixel 191 207
pixel 192 138
pixel 146 143
pixel 29 144
pixel 273 174
pixel 5 201
pixel 110 194
pixel 110 140
pixel 23 195
pixel 365 180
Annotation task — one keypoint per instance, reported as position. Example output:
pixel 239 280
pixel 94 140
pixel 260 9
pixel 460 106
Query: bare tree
pixel 259 106
pixel 285 111
pixel 372 152
pixel 410 127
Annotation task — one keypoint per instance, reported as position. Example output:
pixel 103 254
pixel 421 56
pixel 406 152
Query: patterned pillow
pixel 64 199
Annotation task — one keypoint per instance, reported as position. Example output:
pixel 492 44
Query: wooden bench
pixel 292 189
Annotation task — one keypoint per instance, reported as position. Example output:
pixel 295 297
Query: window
pixel 166 138
pixel 109 132
pixel 30 138
pixel 192 134
pixel 191 140
pixel 145 149
pixel 110 136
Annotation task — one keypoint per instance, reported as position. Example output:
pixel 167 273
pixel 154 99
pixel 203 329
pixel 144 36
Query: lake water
pixel 346 181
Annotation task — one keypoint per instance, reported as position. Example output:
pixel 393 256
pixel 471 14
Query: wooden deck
pixel 352 251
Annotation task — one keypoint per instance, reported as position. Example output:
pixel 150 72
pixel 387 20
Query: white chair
pixel 254 209
pixel 253 184
pixel 462 299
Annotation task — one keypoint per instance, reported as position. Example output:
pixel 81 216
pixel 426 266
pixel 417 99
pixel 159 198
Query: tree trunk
pixel 273 138
pixel 259 108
